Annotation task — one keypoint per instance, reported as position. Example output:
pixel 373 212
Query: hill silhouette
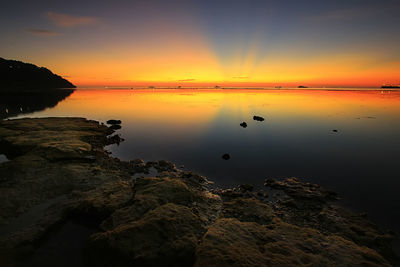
pixel 20 76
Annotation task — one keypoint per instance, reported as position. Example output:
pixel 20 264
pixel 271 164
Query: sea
pixel 344 139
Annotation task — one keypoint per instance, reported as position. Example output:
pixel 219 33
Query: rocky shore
pixel 65 202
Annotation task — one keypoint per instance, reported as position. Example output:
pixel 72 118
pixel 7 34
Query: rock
pixel 114 122
pixel 231 193
pixel 309 205
pixel 230 242
pixel 246 187
pixel 258 118
pixel 165 236
pixel 248 210
pixel 161 225
pixel 226 156
pixel 114 139
pixel 298 190
pixel 115 127
pixel 243 124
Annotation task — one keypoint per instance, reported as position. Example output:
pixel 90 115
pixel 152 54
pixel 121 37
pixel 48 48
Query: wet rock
pixel 226 156
pixel 309 205
pixel 115 127
pixel 114 139
pixel 258 118
pixel 162 165
pixel 243 124
pixel 296 189
pixel 114 122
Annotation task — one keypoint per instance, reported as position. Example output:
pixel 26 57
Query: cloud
pixel 240 77
pixel 187 80
pixel 42 32
pixel 64 20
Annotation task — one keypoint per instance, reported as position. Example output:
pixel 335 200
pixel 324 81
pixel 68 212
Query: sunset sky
pixel 203 42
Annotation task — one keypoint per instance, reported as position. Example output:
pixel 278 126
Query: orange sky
pixel 188 43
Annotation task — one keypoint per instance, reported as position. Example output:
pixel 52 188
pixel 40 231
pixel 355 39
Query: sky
pixel 352 43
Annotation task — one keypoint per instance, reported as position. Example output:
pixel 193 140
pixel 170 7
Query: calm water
pixel 361 161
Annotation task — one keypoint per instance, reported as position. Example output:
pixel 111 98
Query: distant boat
pixel 302 86
pixel 390 86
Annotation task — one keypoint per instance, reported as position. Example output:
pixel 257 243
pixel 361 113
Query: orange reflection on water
pixel 203 103
pixel 200 106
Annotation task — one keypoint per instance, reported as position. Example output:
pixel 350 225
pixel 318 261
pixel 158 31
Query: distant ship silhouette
pixel 390 86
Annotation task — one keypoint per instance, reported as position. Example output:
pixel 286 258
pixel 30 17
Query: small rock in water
pixel 226 156
pixel 115 139
pixel 335 131
pixel 258 118
pixel 113 122
pixel 115 127
pixel 243 124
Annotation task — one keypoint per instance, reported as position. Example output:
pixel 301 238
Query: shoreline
pixel 61 184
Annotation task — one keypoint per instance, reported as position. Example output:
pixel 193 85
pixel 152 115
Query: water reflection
pixel 16 103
